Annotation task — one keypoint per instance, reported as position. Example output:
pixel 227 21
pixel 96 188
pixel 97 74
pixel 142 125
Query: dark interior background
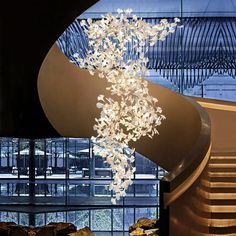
pixel 28 29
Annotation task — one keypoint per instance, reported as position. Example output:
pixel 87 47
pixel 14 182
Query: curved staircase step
pixel 223 209
pixel 222 196
pixel 221 174
pixel 223 223
pixel 222 184
pixel 222 165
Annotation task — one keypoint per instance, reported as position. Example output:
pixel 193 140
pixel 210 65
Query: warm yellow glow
pixel 216 106
pixel 171 197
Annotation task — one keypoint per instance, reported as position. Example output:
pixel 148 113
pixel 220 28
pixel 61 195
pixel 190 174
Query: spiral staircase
pixel 207 206
pixel 197 143
pixel 198 196
pixel 222 173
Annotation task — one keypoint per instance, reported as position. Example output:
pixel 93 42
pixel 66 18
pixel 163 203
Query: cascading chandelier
pixel 130 112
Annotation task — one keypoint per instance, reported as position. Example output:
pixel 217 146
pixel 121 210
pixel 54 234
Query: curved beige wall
pixel 223 124
pixel 68 96
pixel 223 130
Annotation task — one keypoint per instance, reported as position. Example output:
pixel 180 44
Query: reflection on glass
pixel 145 169
pixel 56 190
pixel 102 190
pixel 101 220
pixel 130 191
pixel 65 171
pixel 118 219
pixel 40 219
pixel 55 217
pixel 145 213
pixel 129 218
pixel 13 161
pixel 82 190
pixel 102 169
pixel 21 189
pixel 79 218
pixel 21 153
pixel 9 217
pixel 24 219
pixel 79 158
pixel 145 190
pixel 56 163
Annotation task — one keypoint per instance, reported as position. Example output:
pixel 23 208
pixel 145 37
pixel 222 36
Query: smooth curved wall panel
pixel 223 130
pixel 223 122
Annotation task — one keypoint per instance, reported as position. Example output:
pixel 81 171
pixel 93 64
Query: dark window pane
pixel 145 190
pixel 145 169
pixel 78 158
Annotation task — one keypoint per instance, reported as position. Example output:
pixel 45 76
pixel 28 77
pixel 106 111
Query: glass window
pixel 55 217
pixel 145 169
pixel 22 157
pixel 56 159
pixel 129 218
pixel 145 190
pixel 102 169
pixel 102 190
pixel 79 218
pixel 118 219
pixel 41 190
pixel 41 156
pixel 56 166
pixel 56 190
pixel 8 189
pixel 13 161
pixel 40 219
pixel 150 212
pixel 79 190
pixel 21 189
pixel 78 158
pixel 101 220
pixel 24 219
pixel 130 191
pixel 9 216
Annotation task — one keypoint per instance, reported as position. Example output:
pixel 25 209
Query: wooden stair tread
pixel 223 223
pixel 222 165
pixel 222 196
pixel 218 184
pixel 222 157
pixel 221 174
pixel 223 185
pixel 223 209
